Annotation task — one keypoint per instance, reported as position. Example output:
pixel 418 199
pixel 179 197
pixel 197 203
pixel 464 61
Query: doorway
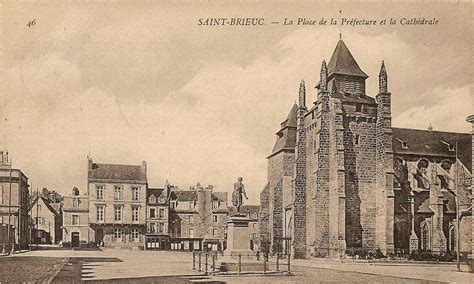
pixel 75 239
pixel 99 237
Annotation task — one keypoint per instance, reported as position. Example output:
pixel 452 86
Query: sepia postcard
pixel 236 142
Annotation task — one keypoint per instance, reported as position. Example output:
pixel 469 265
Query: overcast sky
pixel 129 83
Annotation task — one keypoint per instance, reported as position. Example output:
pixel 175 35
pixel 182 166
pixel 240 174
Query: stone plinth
pixel 238 247
pixel 413 242
pixel 238 236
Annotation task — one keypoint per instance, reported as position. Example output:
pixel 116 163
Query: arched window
pixel 452 237
pixel 425 236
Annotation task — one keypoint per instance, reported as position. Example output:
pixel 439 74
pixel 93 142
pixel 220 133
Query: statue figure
pixel 239 192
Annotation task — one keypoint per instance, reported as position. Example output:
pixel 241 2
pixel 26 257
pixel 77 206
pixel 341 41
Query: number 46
pixel 31 23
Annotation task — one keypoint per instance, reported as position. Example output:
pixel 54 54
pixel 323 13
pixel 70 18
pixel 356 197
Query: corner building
pixel 117 204
pixel 341 178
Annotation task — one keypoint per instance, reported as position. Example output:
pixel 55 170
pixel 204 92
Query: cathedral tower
pixel 384 157
pixel 299 207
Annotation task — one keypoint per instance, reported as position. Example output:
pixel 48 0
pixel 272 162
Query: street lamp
pixel 458 236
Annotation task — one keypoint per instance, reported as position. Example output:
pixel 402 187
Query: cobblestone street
pixel 163 267
pixel 21 269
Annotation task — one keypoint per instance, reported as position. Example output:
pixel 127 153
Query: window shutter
pixel 124 236
pixel 140 236
pixel 130 235
pixel 113 236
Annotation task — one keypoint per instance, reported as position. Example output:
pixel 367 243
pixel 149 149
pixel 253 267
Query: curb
pixel 49 275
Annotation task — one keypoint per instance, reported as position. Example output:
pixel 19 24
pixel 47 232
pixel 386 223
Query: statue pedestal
pixel 238 246
pixel 238 236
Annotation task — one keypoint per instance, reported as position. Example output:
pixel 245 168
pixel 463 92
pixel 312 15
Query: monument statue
pixel 238 194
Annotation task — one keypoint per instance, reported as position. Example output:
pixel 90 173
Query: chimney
pixel 144 169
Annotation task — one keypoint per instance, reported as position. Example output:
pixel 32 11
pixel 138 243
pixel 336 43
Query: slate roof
pixel 117 172
pixel 220 195
pixel 342 62
pixel 286 139
pixel 430 142
pixel 185 195
pixel 290 120
pixel 155 191
pixel 354 98
pixel 53 207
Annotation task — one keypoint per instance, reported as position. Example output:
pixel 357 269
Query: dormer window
pixel 152 199
pixel 427 146
pixel 404 143
pixel 451 147
pixel 358 107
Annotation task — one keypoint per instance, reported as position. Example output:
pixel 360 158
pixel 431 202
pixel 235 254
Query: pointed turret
pixel 383 79
pixel 324 76
pixel 343 63
pixel 302 95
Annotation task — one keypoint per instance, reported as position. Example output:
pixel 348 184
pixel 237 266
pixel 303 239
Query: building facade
pixel 76 231
pixel 117 204
pixel 470 119
pixel 48 219
pixel 341 178
pixel 14 206
pixel 157 218
pixel 198 219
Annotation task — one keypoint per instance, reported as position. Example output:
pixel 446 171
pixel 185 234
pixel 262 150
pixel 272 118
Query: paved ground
pixel 28 269
pixel 316 275
pixel 431 272
pixel 175 267
pixel 114 264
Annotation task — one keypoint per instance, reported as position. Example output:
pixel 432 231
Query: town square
pixel 153 143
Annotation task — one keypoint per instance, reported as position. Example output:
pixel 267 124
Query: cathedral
pixel 341 178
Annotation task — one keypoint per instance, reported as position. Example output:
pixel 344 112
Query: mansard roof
pixel 342 62
pixel 117 172
pixel 432 143
pixel 286 139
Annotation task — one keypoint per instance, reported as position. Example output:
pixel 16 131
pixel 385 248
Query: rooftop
pixel 117 172
pixel 342 62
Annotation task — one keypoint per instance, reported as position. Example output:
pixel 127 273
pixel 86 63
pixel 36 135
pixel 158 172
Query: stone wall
pixel 319 236
pixel 264 215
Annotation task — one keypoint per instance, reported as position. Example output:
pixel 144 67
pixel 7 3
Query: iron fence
pixel 357 253
pixel 212 262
